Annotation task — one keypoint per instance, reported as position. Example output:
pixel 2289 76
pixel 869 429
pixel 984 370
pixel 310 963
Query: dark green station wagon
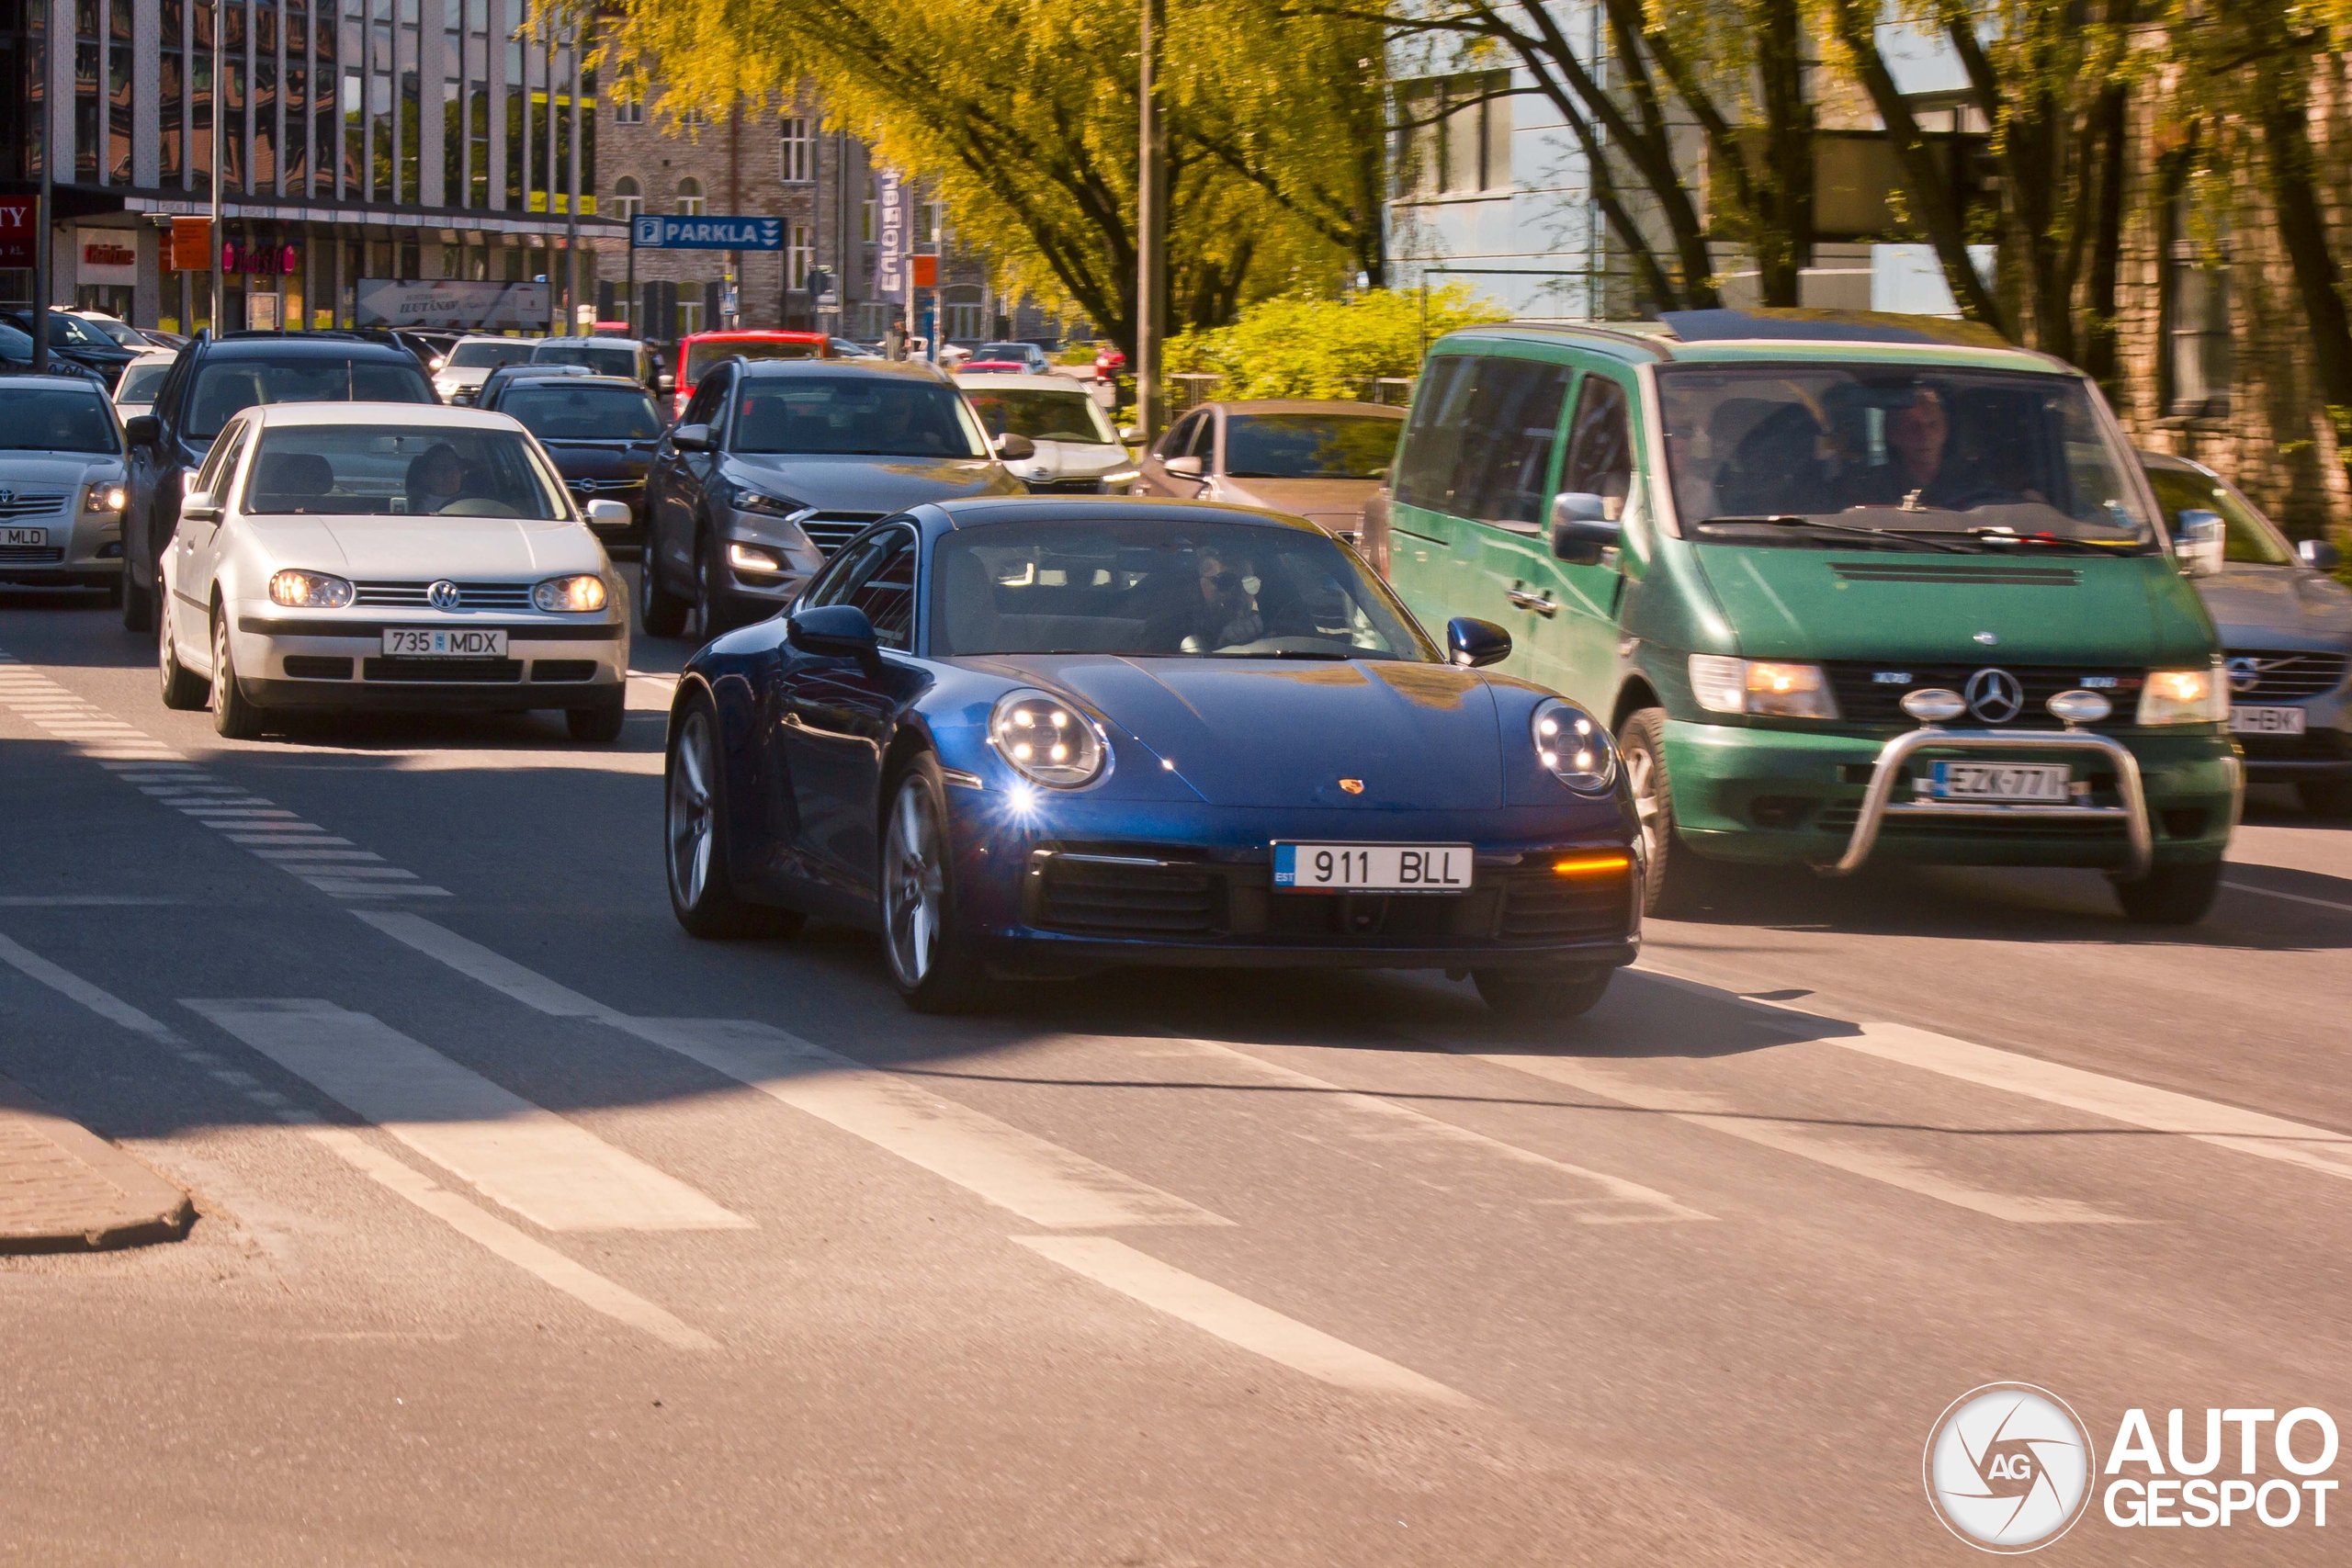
pixel 1847 587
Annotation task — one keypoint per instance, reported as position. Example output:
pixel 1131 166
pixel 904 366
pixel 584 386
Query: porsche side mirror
pixel 1183 467
pixel 690 438
pixel 199 507
pixel 2200 542
pixel 1013 447
pixel 2320 555
pixel 836 631
pixel 1581 528
pixel 1473 643
pixel 143 430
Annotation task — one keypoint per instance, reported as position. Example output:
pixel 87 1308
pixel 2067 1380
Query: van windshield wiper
pixel 1787 520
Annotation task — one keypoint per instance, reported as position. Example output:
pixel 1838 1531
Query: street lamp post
pixel 213 237
pixel 1151 224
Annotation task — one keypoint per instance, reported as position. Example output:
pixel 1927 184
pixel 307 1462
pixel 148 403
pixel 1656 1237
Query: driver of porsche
pixel 1225 613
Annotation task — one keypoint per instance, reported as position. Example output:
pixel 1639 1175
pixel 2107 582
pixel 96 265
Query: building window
pixel 1456 136
pixel 866 221
pixel 801 255
pixel 2201 360
pixel 689 198
pixel 171 97
pixel 628 104
pixel 118 92
pixel 627 197
pixel 800 148
pixel 693 118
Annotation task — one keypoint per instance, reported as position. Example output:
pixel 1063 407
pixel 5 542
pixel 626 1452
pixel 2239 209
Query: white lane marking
pixel 551 1172
pixel 2291 898
pixel 308 857
pixel 1805 1143
pixel 1618 1201
pixel 1043 1182
pixel 2118 1099
pixel 1236 1320
pixel 75 901
pixel 549 1266
pixel 345 888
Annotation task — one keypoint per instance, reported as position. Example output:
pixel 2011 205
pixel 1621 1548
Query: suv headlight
pixel 742 498
pixel 2186 696
pixel 1574 747
pixel 576 594
pixel 1761 685
pixel 309 590
pixel 1046 739
pixel 104 499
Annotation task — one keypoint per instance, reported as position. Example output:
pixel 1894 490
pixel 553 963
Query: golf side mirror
pixel 2320 555
pixel 2200 542
pixel 199 507
pixel 1581 528
pixel 1473 643
pixel 608 515
pixel 1183 467
pixel 837 631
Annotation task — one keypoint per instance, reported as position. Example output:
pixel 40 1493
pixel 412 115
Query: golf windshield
pixel 403 470
pixel 1149 587
pixel 1969 459
pixel 868 416
pixel 1308 445
pixel 55 419
pixel 554 410
pixel 1042 414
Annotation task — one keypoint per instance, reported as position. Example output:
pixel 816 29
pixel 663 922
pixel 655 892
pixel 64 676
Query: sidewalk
pixel 64 1188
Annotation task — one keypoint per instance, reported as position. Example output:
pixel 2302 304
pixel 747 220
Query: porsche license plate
pixel 1372 868
pixel 416 642
pixel 24 536
pixel 2267 721
pixel 2044 782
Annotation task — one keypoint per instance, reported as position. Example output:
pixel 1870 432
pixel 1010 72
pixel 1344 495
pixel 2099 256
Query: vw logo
pixel 443 595
pixel 1994 696
pixel 2246 674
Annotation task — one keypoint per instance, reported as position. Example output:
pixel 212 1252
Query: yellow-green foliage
pixel 1298 346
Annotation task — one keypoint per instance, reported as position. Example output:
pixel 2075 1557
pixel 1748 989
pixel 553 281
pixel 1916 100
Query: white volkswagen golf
pixel 389 555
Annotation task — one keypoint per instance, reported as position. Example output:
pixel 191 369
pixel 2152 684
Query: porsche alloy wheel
pixel 693 831
pixel 928 963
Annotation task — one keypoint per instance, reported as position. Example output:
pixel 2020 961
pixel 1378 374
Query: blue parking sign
pixel 660 233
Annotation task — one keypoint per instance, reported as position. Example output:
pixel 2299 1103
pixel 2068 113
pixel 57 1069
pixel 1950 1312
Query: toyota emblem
pixel 443 595
pixel 1994 696
pixel 8 498
pixel 2246 674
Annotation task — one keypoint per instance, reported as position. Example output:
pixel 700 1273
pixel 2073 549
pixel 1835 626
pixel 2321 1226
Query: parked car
pixel 844 348
pixel 471 360
pixel 72 338
pixel 306 576
pixel 1074 451
pixel 627 357
pixel 61 483
pixel 121 332
pixel 1847 588
pixel 211 381
pixel 601 431
pixel 1025 358
pixel 134 392
pixel 2286 627
pixel 1317 460
pixel 699 351
pixel 1046 738
pixel 777 462
pixel 1109 363
pixel 162 339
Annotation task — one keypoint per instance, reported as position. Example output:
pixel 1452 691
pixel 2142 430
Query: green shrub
pixel 1298 346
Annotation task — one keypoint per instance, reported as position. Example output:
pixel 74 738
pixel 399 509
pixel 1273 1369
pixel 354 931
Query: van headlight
pixel 1766 686
pixel 2186 696
pixel 309 590
pixel 1574 747
pixel 574 595
pixel 1046 739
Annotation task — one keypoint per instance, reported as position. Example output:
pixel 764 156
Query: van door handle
pixel 1539 603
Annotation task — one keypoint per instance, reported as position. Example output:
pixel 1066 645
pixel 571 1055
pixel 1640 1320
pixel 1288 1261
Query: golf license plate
pixel 416 642
pixel 1372 868
pixel 2044 782
pixel 24 536
pixel 2267 721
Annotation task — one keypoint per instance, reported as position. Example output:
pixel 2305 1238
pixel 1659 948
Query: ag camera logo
pixel 2008 1467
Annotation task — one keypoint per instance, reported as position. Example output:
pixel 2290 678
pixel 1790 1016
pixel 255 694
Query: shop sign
pixel 15 231
pixel 191 246
pixel 108 256
pixel 451 302
pixel 266 260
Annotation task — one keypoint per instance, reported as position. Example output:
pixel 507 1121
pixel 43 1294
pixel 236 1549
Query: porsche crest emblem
pixel 1354 786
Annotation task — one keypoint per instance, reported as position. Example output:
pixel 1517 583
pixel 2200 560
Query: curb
pixel 121 1202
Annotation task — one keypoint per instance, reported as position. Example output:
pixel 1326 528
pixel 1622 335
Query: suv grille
pixel 470 596
pixel 2284 677
pixel 1863 698
pixel 828 531
pixel 33 554
pixel 25 504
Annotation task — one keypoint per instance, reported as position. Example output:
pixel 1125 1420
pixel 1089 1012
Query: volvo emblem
pixel 1994 696
pixel 443 595
pixel 2246 674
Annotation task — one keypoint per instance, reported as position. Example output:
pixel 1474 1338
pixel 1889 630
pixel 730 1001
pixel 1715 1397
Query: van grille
pixel 1915 570
pixel 1864 698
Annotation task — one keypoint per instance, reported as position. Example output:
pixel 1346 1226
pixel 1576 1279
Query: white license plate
pixel 2002 781
pixel 406 642
pixel 24 537
pixel 1372 868
pixel 2267 721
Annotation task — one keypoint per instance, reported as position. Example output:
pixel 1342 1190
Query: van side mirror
pixel 2320 555
pixel 143 430
pixel 1581 528
pixel 1013 448
pixel 690 438
pixel 1473 643
pixel 2198 542
pixel 836 631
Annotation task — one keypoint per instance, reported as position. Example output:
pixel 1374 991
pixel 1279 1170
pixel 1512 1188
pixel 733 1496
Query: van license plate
pixel 2267 721
pixel 24 537
pixel 406 642
pixel 2002 781
pixel 1372 868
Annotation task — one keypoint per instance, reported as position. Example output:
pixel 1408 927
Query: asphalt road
pixel 534 1231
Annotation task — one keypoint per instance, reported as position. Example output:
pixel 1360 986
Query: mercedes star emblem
pixel 1994 696
pixel 443 595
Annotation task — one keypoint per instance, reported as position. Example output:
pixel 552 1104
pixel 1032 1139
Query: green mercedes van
pixel 1847 587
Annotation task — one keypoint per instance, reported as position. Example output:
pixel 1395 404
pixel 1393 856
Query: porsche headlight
pixel 1761 685
pixel 309 590
pixel 1046 739
pixel 572 594
pixel 2186 696
pixel 1574 748
pixel 103 499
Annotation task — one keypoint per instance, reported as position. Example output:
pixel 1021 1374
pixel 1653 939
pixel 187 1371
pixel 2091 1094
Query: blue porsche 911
pixel 1029 737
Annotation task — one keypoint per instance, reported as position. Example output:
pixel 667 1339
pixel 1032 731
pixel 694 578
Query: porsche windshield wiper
pixel 1786 520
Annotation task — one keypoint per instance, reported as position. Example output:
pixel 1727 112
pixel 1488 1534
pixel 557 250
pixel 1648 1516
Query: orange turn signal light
pixel 1608 865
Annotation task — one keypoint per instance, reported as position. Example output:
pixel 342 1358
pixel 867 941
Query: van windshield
pixel 1815 455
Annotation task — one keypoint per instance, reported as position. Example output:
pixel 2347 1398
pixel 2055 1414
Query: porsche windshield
pixel 1917 457
pixel 1150 588
pixel 393 471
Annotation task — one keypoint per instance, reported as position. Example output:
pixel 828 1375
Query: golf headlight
pixel 1046 739
pixel 104 498
pixel 745 499
pixel 575 595
pixel 2186 696
pixel 1762 686
pixel 309 590
pixel 1574 748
